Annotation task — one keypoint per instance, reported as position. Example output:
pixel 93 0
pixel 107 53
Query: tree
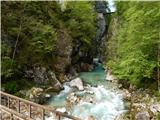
pixel 137 37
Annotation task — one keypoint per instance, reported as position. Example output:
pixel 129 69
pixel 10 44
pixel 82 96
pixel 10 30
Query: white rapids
pixel 100 99
pixel 105 105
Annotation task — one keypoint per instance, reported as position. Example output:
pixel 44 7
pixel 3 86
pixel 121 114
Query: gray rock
pixel 43 76
pixel 72 98
pixel 36 95
pixel 155 108
pixel 55 82
pixel 77 83
pixel 101 6
pixel 91 117
pixel 126 94
pixel 63 109
pixel 142 116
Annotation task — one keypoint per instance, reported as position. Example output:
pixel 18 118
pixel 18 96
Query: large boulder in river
pixel 77 82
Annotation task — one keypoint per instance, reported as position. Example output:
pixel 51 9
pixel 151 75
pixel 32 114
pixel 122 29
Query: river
pixel 100 98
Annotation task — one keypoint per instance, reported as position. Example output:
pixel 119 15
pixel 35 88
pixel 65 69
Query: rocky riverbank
pixel 142 105
pixel 91 97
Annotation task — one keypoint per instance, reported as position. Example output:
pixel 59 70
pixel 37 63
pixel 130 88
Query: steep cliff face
pixel 63 53
pixel 102 26
pixel 39 37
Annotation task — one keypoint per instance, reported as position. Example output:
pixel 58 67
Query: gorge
pixel 82 58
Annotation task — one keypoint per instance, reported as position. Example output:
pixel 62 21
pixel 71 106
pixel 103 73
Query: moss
pixel 157 94
pixel 14 86
pixel 11 87
pixel 158 116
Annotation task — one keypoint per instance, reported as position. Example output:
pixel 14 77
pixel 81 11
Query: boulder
pixel 101 6
pixel 55 82
pixel 42 76
pixel 63 109
pixel 154 109
pixel 126 94
pixel 142 116
pixel 91 117
pixel 72 98
pixel 109 76
pixel 139 107
pixel 77 82
pixel 37 95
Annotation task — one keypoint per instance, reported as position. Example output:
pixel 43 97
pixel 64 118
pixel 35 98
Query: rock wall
pixel 102 27
pixel 42 76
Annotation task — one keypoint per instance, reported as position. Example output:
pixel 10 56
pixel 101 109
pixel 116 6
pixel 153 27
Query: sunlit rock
pixel 155 108
pixel 110 77
pixel 77 83
pixel 63 109
pixel 91 117
pixel 126 95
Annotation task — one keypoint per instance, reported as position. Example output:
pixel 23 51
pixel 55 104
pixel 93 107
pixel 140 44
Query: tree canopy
pixel 136 41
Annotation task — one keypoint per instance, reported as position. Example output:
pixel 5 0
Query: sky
pixel 110 2
pixel 111 5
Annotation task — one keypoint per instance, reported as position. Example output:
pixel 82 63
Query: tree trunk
pixel 158 69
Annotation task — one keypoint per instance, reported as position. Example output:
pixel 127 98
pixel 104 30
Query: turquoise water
pixel 95 77
pixel 60 99
pixel 106 105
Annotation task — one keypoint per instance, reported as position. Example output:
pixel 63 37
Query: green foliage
pixel 7 64
pixel 11 87
pixel 81 21
pixel 40 46
pixel 7 68
pixel 136 41
pixel 157 94
pixel 36 27
pixel 43 39
pixel 158 116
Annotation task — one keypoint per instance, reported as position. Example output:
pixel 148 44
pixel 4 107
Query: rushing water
pixel 103 101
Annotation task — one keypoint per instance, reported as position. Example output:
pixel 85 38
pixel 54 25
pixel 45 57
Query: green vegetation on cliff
pixel 133 45
pixel 41 34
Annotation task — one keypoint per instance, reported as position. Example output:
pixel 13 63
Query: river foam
pixel 107 105
pixel 99 98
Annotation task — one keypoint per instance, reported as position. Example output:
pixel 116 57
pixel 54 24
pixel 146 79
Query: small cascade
pixel 99 99
pixel 106 105
pixel 60 99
